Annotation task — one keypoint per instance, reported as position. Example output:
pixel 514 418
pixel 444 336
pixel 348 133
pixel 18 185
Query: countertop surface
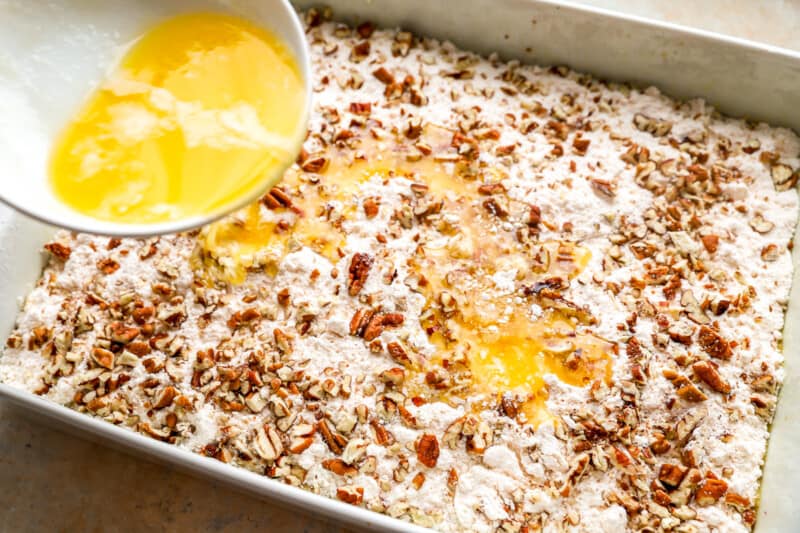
pixel 53 481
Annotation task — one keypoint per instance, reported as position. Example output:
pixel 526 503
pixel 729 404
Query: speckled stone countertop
pixel 53 481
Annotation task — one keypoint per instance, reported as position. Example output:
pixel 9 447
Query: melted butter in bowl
pixel 202 112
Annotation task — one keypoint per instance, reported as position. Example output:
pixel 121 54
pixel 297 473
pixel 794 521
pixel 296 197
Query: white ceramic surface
pixel 743 78
pixel 57 53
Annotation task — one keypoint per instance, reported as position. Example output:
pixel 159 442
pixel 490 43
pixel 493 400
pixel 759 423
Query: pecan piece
pixel 487 189
pixel 428 450
pixel 384 76
pixel 770 253
pixel 143 314
pixel 671 475
pixel 103 358
pixel 335 442
pixel 339 467
pixel 107 265
pixel 534 216
pixel 713 344
pixel 315 164
pixel 710 491
pixel 710 242
pixel 350 494
pixel 61 251
pixel 580 145
pixel 121 333
pixel 360 108
pixel 737 500
pixel 393 376
pixel 165 398
pixel 358 272
pixel 277 198
pixel 509 407
pixel 604 187
pixel 371 207
pixel 398 353
pixel 382 435
pixel 283 341
pixel 706 372
pixel 691 393
pixel 496 207
pixel 380 322
pixel 359 322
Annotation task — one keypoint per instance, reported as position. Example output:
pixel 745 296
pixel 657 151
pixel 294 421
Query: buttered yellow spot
pixel 516 356
pixel 250 239
pixel 258 238
pixel 477 313
pixel 201 111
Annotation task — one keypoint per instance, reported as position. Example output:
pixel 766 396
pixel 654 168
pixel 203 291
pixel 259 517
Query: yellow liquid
pixel 202 111
pixel 506 349
pixel 241 242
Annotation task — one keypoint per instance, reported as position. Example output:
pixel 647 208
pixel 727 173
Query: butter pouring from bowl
pixel 137 118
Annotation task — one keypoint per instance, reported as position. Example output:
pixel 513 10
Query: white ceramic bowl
pixel 54 54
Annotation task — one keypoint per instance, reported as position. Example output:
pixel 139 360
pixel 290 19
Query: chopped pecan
pixel 691 393
pixel 710 491
pixel 384 76
pixel 706 372
pixel 103 357
pixel 770 253
pixel 681 333
pixel 240 318
pixel 283 341
pixel 335 441
pixel 534 216
pixel 487 189
pixel 382 435
pixel 509 406
pixel 428 450
pixel 393 376
pixel 360 51
pixel 365 29
pixel 713 344
pixel 358 272
pixel 381 321
pixel 165 398
pixel 580 145
pixel 671 475
pixel 107 265
pixel 350 494
pixel 121 333
pixel 359 322
pixel 737 500
pixel 339 467
pixel 360 108
pixel 783 177
pixel 710 242
pixel 143 314
pixel 604 187
pixel 398 353
pixel 315 164
pixel 61 251
pixel 496 207
pixel 371 207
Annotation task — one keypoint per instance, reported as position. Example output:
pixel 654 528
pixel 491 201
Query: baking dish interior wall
pixel 740 78
pixel 21 262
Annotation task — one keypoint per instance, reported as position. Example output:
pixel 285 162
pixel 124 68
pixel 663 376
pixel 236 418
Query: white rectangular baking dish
pixel 739 77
